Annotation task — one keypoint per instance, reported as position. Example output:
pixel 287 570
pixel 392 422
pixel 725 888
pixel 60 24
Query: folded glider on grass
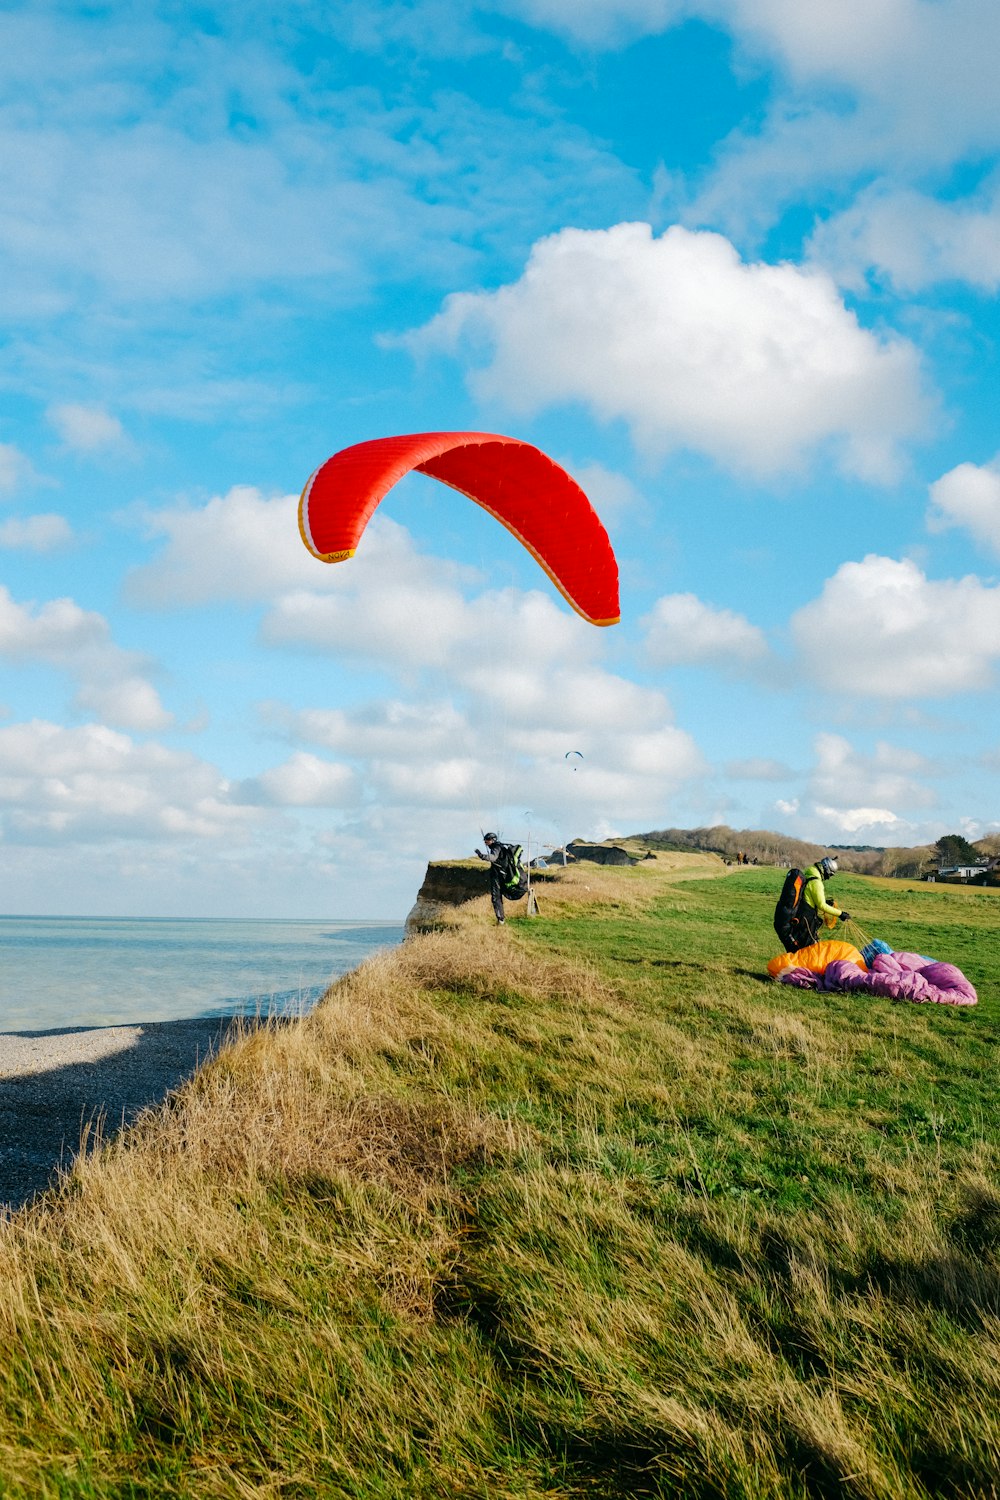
pixel 537 501
pixel 835 965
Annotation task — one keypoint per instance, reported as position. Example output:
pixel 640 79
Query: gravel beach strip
pixel 53 1083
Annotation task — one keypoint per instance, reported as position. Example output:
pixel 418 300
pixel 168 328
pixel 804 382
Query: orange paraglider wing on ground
pixel 816 957
pixel 537 501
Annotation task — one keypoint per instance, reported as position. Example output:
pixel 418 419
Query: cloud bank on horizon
pixel 733 264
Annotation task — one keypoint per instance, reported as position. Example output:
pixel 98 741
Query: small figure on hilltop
pixel 802 906
pixel 508 877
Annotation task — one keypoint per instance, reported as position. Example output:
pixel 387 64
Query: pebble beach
pixel 53 1084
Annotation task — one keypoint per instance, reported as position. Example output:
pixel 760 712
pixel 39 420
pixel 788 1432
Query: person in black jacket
pixel 508 877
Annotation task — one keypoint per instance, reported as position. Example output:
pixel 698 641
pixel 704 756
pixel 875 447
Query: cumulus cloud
pixel 61 635
pixel 968 496
pixel 756 365
pixel 508 680
pixel 891 776
pixel 56 633
pixel 241 546
pixel 682 630
pixel 501 708
pixel 245 547
pixel 389 728
pixel 405 611
pixel 42 533
pixel 303 781
pixel 882 629
pixel 86 429
pixel 866 824
pixel 93 783
pixel 912 240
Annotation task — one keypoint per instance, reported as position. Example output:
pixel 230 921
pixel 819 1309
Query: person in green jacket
pixel 815 910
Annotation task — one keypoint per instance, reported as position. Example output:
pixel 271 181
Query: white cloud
pixel 43 533
pixel 86 429
pixel 239 546
pixel 921 72
pixel 92 783
pixel 498 685
pixel 393 606
pixel 903 89
pixel 452 782
pixel 126 700
pixel 912 240
pixel 968 496
pixel 753 364
pixel 55 633
pixel 61 635
pixel 881 629
pixel 611 494
pixel 682 630
pixel 870 822
pixel 303 781
pixel 15 469
pixel 149 164
pixel 891 776
pixel 389 728
pixel 509 685
pixel 246 548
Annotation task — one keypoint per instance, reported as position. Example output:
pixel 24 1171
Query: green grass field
pixel 584 1207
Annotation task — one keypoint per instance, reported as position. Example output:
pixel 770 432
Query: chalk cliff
pixel 447 884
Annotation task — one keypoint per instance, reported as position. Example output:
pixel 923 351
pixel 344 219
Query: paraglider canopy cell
pixel 538 502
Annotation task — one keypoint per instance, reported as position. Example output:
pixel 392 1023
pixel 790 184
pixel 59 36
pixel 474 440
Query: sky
pixel 732 263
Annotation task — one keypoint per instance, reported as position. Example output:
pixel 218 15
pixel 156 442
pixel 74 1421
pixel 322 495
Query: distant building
pixel 958 874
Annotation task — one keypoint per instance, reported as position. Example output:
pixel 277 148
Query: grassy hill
pixel 584 1206
pixel 772 848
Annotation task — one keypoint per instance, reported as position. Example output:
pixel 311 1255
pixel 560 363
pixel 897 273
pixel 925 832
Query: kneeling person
pixel 508 877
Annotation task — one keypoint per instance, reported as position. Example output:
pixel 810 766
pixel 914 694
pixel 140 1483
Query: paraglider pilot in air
pixel 508 877
pixel 803 908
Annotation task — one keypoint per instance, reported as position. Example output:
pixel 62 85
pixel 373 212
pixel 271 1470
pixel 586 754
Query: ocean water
pixel 106 971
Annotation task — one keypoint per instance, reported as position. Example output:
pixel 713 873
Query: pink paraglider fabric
pixel 898 976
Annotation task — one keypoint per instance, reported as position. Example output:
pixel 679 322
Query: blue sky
pixel 734 263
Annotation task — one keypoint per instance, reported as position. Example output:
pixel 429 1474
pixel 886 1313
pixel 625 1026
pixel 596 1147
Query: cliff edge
pixel 452 882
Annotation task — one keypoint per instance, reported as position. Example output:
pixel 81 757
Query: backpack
pixel 511 867
pixel 787 909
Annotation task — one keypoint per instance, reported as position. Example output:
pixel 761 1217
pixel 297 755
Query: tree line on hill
pixel 769 848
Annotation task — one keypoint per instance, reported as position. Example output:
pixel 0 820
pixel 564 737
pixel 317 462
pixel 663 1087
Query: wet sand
pixel 53 1083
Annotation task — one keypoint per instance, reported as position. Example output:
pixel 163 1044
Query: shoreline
pixel 55 1084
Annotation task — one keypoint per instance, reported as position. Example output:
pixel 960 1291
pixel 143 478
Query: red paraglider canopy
pixel 517 483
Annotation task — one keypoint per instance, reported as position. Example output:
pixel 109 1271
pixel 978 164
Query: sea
pixel 58 972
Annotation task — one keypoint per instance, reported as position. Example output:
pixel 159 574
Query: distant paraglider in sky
pixel 575 759
pixel 538 502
